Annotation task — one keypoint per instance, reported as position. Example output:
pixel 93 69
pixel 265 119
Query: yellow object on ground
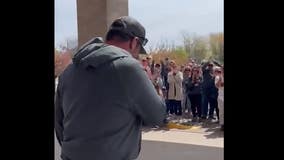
pixel 172 125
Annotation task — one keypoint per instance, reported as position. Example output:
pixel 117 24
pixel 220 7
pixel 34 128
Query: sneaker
pixel 180 120
pixel 155 127
pixel 211 118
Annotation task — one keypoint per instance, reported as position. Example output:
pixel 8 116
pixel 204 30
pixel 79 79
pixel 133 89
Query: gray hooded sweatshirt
pixel 102 99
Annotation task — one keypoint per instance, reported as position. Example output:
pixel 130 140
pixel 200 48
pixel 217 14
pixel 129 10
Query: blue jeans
pixel 174 106
pixel 204 106
pixel 196 104
pixel 209 100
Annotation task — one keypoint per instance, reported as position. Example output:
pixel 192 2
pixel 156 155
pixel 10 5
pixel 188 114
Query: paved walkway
pixel 156 150
pixel 203 141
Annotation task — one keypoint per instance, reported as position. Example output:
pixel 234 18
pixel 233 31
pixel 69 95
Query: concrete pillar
pixel 95 16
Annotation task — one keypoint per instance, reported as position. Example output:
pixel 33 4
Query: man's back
pixel 101 104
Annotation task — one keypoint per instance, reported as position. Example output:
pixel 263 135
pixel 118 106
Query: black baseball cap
pixel 132 27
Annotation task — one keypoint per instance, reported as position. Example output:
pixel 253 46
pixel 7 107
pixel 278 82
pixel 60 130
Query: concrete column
pixel 115 9
pixel 95 16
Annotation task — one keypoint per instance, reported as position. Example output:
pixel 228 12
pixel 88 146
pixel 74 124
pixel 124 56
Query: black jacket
pixel 194 87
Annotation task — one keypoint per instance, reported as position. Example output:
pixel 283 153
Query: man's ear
pixel 134 43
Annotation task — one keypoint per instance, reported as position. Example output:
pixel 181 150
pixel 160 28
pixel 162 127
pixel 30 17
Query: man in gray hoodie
pixel 104 96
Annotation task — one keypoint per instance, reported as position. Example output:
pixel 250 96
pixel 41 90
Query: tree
pixel 187 42
pixel 217 46
pixel 69 45
pixel 61 60
pixel 57 63
pixel 196 46
pixel 199 48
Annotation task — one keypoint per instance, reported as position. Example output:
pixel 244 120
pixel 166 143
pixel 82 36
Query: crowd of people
pixel 194 89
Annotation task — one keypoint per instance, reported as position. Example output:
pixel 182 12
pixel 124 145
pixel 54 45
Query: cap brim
pixel 142 50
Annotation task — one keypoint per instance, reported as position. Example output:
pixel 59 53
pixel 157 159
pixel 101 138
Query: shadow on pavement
pixel 214 129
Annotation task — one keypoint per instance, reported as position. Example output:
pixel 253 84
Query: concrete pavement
pixel 157 150
pixel 205 143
